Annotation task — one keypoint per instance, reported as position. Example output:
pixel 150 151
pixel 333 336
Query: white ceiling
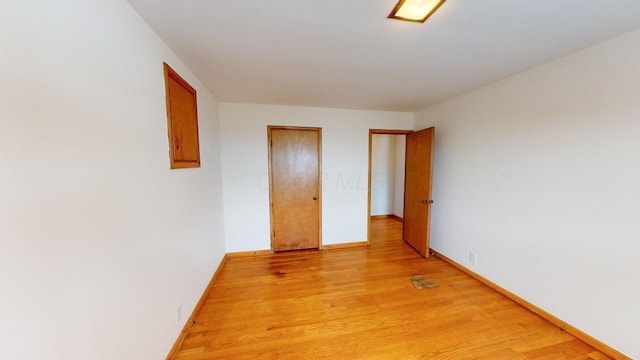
pixel 347 54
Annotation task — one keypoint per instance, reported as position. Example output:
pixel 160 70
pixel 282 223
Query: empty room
pixel 362 179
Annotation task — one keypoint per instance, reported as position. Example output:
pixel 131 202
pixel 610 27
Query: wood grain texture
pixel 244 254
pixel 294 163
pixel 182 121
pixel 360 304
pixel 345 245
pixel 205 295
pixel 417 189
pixel 389 216
pixel 579 334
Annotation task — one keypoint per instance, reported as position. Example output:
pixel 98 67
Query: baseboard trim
pixel 245 254
pixel 345 245
pixel 577 333
pixel 390 216
pixel 189 324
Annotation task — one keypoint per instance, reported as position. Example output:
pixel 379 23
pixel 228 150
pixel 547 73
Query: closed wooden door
pixel 417 196
pixel 294 164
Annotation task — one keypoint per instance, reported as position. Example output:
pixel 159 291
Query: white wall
pixel 398 197
pixel 345 152
pixel 538 175
pixel 99 240
pixel 387 174
pixel 383 167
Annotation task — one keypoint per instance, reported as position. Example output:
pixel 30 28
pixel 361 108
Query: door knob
pixel 426 202
pixel 315 198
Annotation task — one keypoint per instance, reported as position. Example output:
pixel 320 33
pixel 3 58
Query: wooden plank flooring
pixel 360 304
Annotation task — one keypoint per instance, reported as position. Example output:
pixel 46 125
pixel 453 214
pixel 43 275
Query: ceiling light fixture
pixel 415 10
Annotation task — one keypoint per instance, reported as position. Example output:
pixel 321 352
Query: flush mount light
pixel 415 10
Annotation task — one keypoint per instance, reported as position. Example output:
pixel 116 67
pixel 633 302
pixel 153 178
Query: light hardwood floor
pixel 360 304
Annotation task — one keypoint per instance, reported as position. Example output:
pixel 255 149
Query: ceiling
pixel 347 54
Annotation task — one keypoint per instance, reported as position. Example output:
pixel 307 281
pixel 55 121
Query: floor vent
pixel 420 282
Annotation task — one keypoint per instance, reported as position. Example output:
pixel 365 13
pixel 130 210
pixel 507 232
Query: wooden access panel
pixel 417 196
pixel 294 166
pixel 182 117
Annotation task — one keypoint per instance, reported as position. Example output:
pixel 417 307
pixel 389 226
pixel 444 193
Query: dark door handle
pixel 315 198
pixel 426 202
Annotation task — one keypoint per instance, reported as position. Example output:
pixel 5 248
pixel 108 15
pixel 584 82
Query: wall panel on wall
pixel 182 121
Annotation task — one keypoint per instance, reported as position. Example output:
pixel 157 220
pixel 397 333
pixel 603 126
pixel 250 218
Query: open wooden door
pixel 294 169
pixel 417 195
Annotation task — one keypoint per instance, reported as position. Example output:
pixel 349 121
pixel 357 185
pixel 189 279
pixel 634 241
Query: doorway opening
pixel 387 150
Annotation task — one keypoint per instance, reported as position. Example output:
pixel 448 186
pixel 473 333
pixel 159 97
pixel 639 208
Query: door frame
pixel 304 128
pixel 371 133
